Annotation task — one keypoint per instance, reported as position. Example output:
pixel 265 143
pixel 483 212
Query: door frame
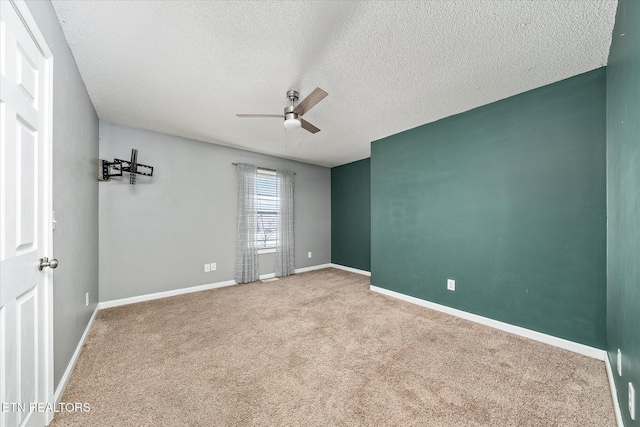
pixel 45 210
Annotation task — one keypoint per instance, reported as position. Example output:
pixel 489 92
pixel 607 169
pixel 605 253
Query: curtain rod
pixel 260 167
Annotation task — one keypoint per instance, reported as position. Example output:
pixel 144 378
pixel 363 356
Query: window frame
pixel 267 249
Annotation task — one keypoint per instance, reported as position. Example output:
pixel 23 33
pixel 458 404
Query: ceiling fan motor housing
pixel 288 113
pixel 291 120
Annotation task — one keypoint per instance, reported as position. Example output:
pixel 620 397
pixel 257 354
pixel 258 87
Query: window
pixel 264 220
pixel 267 210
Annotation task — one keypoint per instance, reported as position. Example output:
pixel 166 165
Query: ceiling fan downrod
pixel 291 120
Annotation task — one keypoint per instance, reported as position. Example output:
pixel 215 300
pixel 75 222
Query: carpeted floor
pixel 320 349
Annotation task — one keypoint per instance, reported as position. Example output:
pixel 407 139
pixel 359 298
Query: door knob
pixel 44 262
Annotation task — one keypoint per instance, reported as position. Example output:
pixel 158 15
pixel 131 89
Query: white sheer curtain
pixel 285 248
pixel 246 225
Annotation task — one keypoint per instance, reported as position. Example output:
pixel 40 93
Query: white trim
pixel 165 294
pixel 266 251
pixel 585 350
pixel 296 271
pixel 313 267
pixel 350 269
pixel 30 23
pixel 174 292
pixel 74 359
pixel 614 392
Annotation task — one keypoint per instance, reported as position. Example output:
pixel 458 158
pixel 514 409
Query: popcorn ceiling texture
pixel 186 68
pixel 320 349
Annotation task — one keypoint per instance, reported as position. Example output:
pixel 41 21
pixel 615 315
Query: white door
pixel 26 384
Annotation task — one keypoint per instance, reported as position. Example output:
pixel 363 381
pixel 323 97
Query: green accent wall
pixel 509 200
pixel 351 215
pixel 623 203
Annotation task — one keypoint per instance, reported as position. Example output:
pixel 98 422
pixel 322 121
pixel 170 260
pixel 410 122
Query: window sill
pixel 266 251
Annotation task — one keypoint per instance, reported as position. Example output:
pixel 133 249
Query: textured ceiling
pixel 187 67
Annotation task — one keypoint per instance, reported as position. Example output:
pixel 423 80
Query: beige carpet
pixel 320 349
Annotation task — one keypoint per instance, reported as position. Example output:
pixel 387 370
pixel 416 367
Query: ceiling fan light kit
pixel 292 123
pixel 293 114
pixel 291 120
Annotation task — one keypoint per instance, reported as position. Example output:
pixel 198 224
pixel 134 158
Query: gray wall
pixel 157 235
pixel 75 194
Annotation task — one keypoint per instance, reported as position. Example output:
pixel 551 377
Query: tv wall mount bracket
pixel 108 170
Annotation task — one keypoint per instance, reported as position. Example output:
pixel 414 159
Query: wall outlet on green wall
pixel 451 284
pixel 619 363
pixel 632 402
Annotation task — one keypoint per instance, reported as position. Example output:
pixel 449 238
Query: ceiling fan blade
pixel 274 116
pixel 308 126
pixel 312 99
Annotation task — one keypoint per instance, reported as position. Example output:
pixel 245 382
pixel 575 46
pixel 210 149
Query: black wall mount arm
pixel 108 170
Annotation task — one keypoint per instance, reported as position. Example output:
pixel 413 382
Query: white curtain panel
pixel 246 225
pixel 285 249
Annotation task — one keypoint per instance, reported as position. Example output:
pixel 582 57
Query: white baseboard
pixel 174 292
pixel 313 267
pixel 614 392
pixel 166 294
pixel 350 269
pixel 296 271
pixel 72 363
pixel 585 350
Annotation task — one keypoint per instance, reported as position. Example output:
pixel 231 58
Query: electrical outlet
pixel 207 267
pixel 309 255
pixel 619 363
pixel 213 266
pixel 632 402
pixel 451 284
pixel 86 299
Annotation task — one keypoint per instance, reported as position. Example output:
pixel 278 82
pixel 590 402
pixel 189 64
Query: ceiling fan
pixel 293 113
